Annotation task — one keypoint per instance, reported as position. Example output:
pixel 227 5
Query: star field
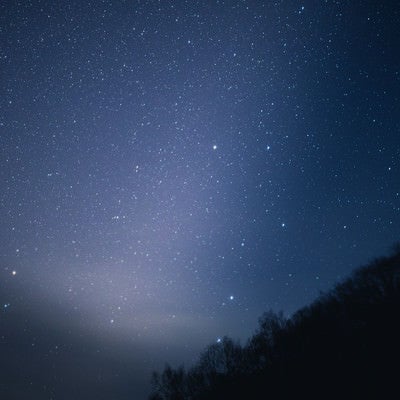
pixel 172 169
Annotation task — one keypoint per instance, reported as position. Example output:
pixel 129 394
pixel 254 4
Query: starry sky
pixel 170 170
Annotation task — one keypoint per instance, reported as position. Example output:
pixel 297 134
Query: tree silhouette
pixel 170 385
pixel 344 345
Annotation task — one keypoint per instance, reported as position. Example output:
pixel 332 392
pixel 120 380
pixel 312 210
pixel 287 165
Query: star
pixel 160 181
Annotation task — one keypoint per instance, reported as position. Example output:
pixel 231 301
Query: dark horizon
pixel 171 170
pixel 343 345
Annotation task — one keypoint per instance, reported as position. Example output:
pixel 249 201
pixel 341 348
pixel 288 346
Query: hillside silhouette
pixel 346 344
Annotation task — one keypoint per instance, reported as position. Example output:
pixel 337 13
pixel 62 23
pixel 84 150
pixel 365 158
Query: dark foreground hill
pixel 344 345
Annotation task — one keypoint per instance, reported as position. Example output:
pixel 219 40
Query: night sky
pixel 170 170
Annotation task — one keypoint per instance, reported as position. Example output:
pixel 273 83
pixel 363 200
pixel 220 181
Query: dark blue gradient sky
pixel 171 169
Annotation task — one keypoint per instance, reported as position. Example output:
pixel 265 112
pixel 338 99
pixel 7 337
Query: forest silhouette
pixel 346 344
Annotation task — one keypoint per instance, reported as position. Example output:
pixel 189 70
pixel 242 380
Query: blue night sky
pixel 170 170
